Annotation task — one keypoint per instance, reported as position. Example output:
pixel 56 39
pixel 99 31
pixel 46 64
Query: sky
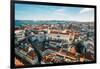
pixel 45 12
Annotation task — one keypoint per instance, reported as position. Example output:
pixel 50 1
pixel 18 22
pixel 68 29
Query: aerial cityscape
pixel 53 34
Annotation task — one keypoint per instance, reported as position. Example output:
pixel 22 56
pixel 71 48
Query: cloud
pixel 86 10
pixel 60 11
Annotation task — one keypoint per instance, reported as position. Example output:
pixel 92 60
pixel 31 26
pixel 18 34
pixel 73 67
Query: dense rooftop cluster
pixel 55 43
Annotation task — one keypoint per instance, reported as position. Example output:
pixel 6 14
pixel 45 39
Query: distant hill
pixel 19 22
pixel 31 22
